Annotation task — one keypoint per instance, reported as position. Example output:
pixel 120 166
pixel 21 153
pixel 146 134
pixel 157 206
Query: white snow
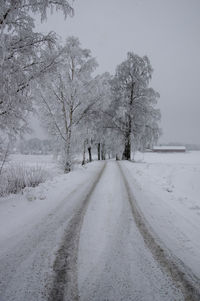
pixel 20 212
pixel 31 228
pixel 112 251
pixel 167 189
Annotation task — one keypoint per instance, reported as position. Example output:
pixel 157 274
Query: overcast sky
pixel 167 31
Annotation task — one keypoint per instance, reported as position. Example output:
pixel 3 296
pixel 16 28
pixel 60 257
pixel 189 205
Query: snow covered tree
pixel 24 57
pixel 15 14
pixel 133 113
pixel 68 96
pixel 92 125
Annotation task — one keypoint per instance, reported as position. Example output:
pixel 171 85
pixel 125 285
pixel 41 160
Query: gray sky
pixel 168 31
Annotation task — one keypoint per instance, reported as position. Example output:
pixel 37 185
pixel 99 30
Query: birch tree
pixel 68 97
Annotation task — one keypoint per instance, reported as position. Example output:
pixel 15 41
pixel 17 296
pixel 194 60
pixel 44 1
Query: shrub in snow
pixel 17 177
pixel 35 176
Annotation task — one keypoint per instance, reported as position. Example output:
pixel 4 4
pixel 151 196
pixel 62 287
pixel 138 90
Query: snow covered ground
pixel 108 258
pixel 167 189
pixel 31 228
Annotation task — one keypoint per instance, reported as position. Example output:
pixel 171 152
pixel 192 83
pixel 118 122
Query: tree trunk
pixel 67 167
pixel 99 151
pixel 67 162
pixel 84 150
pixel 127 147
pixel 5 157
pixel 90 154
pixel 103 151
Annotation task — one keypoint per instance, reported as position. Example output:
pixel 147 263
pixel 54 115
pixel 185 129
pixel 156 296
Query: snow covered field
pixel 45 161
pixel 167 189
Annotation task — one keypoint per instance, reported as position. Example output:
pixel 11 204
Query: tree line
pixel 115 114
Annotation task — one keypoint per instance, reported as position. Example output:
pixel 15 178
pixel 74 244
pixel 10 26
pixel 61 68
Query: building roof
pixel 169 147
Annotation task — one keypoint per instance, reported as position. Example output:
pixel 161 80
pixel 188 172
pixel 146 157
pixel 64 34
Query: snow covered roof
pixel 169 147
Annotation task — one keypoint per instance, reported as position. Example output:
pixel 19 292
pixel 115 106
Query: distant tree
pixel 92 125
pixel 132 113
pixel 34 146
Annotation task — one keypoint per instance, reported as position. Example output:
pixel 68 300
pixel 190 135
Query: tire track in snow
pixel 183 278
pixel 65 283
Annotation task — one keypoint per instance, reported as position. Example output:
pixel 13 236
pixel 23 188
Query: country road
pixel 93 245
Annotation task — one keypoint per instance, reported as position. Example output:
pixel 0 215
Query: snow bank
pixel 167 189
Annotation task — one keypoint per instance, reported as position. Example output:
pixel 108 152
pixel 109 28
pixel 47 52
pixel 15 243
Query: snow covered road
pixel 88 245
pixel 114 263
